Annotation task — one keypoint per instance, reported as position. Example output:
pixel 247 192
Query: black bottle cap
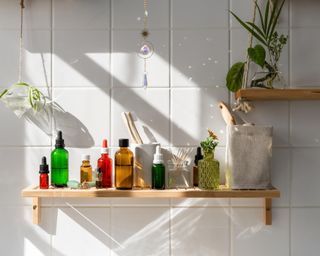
pixel 123 143
pixel 198 156
pixel 44 168
pixel 59 140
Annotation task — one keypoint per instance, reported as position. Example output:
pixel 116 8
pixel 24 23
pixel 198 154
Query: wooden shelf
pixel 222 192
pixel 278 94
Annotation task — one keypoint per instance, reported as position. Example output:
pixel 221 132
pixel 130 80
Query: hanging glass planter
pixel 21 97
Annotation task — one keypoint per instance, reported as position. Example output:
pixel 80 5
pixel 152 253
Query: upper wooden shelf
pixel 278 94
pixel 222 192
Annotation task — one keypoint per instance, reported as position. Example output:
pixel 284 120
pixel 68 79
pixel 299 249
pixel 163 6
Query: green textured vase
pixel 209 172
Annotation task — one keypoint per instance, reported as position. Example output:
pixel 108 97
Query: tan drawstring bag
pixel 248 157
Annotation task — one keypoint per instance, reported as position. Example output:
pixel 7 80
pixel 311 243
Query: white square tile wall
pixel 83 55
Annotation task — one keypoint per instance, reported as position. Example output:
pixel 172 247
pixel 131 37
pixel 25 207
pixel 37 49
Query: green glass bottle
pixel 209 173
pixel 158 170
pixel 59 163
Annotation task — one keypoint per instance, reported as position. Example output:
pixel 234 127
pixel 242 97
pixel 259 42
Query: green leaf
pixel 3 93
pixel 276 18
pixel 249 29
pixel 271 18
pixel 22 84
pixel 261 17
pixel 257 55
pixel 235 76
pixel 255 27
pixel 266 16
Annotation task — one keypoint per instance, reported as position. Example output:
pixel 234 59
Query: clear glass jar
pixel 179 176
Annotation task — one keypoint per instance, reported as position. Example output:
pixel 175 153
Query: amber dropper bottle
pixel 124 166
pixel 85 169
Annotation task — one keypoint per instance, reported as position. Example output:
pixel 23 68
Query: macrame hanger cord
pixel 240 104
pixel 145 29
pixel 246 72
pixel 21 41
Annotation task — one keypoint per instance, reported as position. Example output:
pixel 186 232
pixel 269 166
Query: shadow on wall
pixel 54 116
pixel 74 131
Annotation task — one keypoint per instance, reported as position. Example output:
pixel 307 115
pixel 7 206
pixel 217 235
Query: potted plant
pixel 209 170
pixel 266 53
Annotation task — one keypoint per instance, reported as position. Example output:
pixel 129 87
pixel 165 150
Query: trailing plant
pixel 30 97
pixel 209 144
pixel 20 97
pixel 266 53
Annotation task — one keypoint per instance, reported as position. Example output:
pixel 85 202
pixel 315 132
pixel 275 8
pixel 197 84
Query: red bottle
pixel 44 174
pixel 105 165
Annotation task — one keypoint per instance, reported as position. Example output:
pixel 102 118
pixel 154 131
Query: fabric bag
pixel 248 156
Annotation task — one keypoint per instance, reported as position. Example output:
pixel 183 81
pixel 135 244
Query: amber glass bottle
pixel 85 169
pixel 124 166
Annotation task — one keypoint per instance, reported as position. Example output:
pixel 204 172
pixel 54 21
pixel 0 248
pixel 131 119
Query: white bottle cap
pixel 85 157
pixel 158 157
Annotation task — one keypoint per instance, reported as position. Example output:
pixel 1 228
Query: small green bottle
pixel 158 170
pixel 59 163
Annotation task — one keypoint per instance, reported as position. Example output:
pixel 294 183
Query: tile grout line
pixel 170 227
pixel 170 73
pixel 110 67
pixel 51 97
pixel 170 114
pixel 230 228
pixel 290 128
pixel 110 107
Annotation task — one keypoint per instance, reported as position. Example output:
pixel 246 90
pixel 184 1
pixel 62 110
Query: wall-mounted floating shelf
pixel 278 94
pixel 222 192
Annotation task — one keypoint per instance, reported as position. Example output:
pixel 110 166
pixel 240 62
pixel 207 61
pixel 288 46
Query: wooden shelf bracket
pixel 268 211
pixel 36 210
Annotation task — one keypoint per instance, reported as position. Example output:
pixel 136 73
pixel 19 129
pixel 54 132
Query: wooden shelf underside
pixel 146 193
pixel 36 194
pixel 278 94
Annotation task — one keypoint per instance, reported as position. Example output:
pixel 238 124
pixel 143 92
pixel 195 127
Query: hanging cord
pixel 145 18
pixel 145 34
pixel 242 105
pixel 21 41
pixel 246 70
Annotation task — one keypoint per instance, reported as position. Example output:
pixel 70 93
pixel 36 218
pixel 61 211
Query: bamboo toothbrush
pixel 126 123
pixel 134 128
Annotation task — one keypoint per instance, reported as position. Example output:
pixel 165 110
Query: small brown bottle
pixel 198 157
pixel 124 166
pixel 85 169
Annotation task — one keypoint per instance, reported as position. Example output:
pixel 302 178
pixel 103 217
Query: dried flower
pixel 212 134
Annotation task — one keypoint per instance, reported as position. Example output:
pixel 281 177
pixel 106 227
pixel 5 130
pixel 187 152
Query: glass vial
pixel 99 178
pixel 105 165
pixel 158 170
pixel 124 166
pixel 85 169
pixel 197 157
pixel 44 174
pixel 59 163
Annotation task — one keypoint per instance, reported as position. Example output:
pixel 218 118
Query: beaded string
pixel 145 34
pixel 146 48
